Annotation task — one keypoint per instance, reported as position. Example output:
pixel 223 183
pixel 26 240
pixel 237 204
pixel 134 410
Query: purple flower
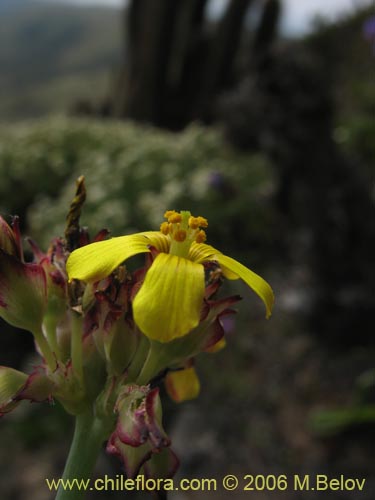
pixel 368 31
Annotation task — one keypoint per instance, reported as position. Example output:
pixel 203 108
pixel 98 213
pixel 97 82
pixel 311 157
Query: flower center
pixel 183 229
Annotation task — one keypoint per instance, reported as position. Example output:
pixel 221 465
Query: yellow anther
pixel 168 213
pixel 164 227
pixel 175 218
pixel 179 235
pixel 202 222
pixel 193 222
pixel 183 229
pixel 201 237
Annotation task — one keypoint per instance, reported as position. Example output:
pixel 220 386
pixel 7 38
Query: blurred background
pixel 259 115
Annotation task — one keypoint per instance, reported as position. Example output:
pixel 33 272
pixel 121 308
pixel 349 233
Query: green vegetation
pixel 133 174
pixel 348 64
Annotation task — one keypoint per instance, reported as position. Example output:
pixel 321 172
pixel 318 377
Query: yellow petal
pixel 200 252
pixel 96 261
pixel 158 240
pixel 234 270
pixel 182 385
pixel 169 302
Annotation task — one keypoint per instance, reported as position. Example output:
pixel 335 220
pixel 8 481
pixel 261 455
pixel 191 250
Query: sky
pixel 298 14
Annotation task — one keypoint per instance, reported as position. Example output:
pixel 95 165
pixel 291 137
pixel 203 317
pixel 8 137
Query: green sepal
pixel 11 381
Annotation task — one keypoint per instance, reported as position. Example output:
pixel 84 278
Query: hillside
pixel 52 55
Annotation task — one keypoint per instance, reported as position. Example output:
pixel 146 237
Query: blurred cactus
pixel 266 31
pixel 177 61
pixel 287 107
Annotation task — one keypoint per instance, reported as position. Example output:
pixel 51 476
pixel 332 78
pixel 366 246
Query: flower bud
pixel 38 386
pixel 53 264
pixel 11 381
pixel 139 432
pixel 8 241
pixel 23 293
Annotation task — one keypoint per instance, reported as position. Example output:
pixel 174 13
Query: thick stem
pixel 151 367
pixel 89 434
pixel 45 350
pixel 76 347
pixel 50 326
pixel 139 359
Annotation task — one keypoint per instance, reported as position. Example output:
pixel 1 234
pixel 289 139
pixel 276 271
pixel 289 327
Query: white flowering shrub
pixel 132 173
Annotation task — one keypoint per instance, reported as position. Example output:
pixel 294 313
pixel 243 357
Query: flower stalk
pixel 139 358
pixel 151 367
pixel 45 349
pixel 89 435
pixel 76 347
pixel 50 327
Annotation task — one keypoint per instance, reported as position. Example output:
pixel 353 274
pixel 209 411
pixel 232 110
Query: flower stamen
pixel 184 229
pixel 201 237
pixel 179 235
pixel 164 228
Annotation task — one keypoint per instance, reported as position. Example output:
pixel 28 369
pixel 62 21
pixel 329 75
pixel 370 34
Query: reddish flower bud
pixel 9 239
pixel 23 293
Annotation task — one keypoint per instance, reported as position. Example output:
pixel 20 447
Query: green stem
pixel 139 358
pixel 151 367
pixel 89 434
pixel 76 346
pixel 45 350
pixel 50 326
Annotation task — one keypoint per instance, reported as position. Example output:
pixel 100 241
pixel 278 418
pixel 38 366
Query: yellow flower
pixel 182 385
pixel 169 302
